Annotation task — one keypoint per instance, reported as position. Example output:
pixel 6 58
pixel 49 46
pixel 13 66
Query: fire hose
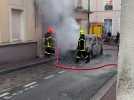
pixel 66 67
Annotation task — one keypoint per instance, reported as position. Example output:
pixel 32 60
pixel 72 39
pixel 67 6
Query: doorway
pixel 108 25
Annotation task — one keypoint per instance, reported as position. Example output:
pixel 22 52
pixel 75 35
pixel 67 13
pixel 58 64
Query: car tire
pixel 91 54
pixel 77 60
pixel 88 59
pixel 101 52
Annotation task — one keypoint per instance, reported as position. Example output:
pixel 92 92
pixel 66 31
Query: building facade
pixel 17 21
pixel 18 38
pixel 106 12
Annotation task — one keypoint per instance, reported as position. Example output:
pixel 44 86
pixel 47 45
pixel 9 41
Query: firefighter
pixel 49 42
pixel 81 48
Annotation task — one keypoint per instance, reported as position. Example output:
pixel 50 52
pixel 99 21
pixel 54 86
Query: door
pixel 108 25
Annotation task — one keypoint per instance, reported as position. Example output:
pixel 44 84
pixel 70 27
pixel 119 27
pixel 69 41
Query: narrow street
pixel 66 50
pixel 46 82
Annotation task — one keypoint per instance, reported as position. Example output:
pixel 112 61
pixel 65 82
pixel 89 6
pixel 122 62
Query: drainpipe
pixel 36 14
pixel 88 16
pixel 125 87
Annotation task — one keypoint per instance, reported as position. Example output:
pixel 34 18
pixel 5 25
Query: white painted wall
pixel 27 7
pixel 99 14
pixel 97 6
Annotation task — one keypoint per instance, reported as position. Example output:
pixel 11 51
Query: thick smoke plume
pixel 59 14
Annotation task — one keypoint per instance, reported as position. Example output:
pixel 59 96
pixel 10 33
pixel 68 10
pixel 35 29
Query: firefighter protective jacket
pixel 82 44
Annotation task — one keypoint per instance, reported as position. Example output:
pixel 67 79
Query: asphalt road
pixel 64 86
pixel 59 84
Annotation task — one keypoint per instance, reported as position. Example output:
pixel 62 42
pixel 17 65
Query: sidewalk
pixel 108 91
pixel 7 68
pixel 111 93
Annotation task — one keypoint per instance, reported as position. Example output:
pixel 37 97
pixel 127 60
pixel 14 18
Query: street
pixel 46 82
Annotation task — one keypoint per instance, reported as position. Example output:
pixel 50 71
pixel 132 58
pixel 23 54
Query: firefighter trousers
pixel 81 54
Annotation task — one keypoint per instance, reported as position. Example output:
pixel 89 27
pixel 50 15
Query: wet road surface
pixel 46 82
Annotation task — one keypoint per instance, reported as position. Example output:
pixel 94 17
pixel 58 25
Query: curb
pixel 104 90
pixel 24 66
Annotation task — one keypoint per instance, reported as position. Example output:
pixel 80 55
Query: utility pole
pixel 88 16
pixel 125 90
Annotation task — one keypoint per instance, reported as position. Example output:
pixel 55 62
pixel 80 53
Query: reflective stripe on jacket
pixel 49 42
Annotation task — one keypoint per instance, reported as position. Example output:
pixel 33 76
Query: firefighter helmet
pixel 50 30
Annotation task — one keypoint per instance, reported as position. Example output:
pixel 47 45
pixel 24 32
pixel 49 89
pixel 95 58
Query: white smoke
pixel 59 14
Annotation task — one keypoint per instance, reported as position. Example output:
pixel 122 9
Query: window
pixel 109 5
pixel 16 25
pixel 79 4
